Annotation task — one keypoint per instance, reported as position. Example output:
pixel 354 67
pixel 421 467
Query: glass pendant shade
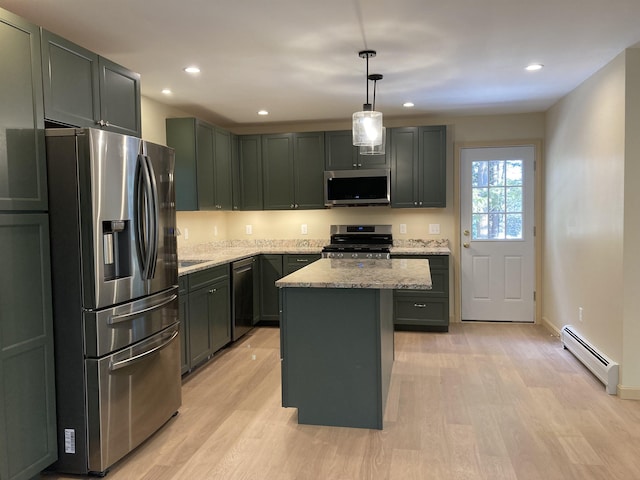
pixel 375 149
pixel 367 128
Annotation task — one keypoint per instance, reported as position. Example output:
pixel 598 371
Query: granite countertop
pixel 220 253
pixel 378 274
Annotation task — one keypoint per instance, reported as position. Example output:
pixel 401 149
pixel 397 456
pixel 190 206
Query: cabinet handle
pixel 297 206
pixel 213 290
pixel 291 206
pixel 415 203
pixel 354 165
pixel 420 305
pixel 302 260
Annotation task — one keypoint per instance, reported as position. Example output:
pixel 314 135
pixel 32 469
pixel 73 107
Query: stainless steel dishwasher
pixel 242 273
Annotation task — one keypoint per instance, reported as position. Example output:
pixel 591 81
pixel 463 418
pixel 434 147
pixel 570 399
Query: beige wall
pixel 592 228
pixel 153 120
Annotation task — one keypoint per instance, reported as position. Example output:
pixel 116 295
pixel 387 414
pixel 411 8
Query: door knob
pixel 465 245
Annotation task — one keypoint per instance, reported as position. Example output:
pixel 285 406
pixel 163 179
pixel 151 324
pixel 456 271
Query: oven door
pixel 130 395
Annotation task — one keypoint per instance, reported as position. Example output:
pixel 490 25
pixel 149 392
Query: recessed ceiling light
pixel 167 91
pixel 192 69
pixel 408 104
pixel 533 67
pixel 263 112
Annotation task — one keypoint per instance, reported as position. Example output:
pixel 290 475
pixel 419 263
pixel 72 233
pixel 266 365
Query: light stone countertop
pixel 220 253
pixel 378 274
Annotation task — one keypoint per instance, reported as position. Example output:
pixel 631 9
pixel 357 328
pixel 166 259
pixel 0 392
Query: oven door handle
pixel 123 317
pixel 123 363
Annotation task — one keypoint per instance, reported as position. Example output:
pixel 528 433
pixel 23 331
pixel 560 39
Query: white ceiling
pixel 299 59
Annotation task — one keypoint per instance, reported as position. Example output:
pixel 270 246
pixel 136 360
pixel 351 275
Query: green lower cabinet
pixel 27 390
pixel 270 270
pixel 206 324
pixel 426 310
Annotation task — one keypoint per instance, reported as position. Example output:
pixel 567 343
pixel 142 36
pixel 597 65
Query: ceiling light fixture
pixel 367 124
pixel 167 91
pixel 533 67
pixel 263 112
pixel 192 69
pixel 374 149
pixel 408 105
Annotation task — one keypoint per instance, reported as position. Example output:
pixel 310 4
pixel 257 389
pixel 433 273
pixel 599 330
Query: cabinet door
pixel 27 407
pixel 220 314
pixel 404 157
pixel 181 137
pixel 184 333
pixel 250 172
pixel 270 271
pixel 222 173
pixel 432 166
pixel 70 81
pixel 22 156
pixel 205 151
pixel 119 98
pixel 277 171
pixel 340 154
pixel 308 155
pixel 200 335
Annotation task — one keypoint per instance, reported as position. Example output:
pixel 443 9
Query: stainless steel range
pixel 359 241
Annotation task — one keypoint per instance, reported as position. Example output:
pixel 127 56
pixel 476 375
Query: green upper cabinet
pixel 418 166
pixel 23 184
pixel 83 89
pixel 293 169
pixel 203 171
pixel 249 173
pixel 340 154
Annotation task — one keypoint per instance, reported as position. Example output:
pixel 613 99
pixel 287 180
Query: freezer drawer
pixel 130 395
pixel 111 329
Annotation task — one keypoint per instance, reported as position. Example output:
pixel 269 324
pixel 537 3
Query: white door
pixel 497 234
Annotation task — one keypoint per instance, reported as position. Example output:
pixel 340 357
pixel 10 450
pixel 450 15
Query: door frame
pixel 456 247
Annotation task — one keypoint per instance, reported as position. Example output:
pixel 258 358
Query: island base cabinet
pixel 337 354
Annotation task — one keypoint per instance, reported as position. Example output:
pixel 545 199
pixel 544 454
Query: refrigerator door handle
pixel 153 214
pixel 123 317
pixel 146 223
pixel 141 356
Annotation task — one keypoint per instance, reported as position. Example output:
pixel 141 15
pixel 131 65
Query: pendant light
pixel 367 124
pixel 374 149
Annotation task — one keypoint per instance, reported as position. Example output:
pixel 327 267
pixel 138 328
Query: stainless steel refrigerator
pixel 115 294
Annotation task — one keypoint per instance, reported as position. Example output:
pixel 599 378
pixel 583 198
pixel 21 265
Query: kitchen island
pixel 336 337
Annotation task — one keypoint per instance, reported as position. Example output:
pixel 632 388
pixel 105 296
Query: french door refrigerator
pixel 115 294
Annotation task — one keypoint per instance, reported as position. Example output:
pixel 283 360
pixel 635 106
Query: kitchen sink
pixel 189 263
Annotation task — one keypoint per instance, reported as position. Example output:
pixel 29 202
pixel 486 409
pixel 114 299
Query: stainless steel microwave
pixel 356 187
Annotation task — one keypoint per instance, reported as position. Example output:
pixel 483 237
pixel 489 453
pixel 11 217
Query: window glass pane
pixel 496 173
pixel 479 174
pixel 496 199
pixel 514 226
pixel 479 226
pixel 480 200
pixel 514 199
pixel 514 172
pixel 496 226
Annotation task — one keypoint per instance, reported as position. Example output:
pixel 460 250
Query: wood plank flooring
pixel 484 401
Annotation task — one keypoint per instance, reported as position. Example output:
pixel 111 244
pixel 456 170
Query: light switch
pixel 248 229
pixel 403 228
pixel 303 229
pixel 434 228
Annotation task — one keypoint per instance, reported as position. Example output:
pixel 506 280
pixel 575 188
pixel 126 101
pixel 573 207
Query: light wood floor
pixel 484 401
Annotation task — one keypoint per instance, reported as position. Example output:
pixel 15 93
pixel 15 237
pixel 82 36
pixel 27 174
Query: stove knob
pixel 369 255
pixel 354 255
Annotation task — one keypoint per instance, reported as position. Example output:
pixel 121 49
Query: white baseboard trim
pixel 629 393
pixel 550 326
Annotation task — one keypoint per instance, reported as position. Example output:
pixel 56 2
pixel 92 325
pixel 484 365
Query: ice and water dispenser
pixel 116 249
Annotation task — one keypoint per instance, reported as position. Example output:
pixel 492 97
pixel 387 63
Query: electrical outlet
pixel 248 229
pixel 186 234
pixel 434 229
pixel 580 313
pixel 403 228
pixel 303 229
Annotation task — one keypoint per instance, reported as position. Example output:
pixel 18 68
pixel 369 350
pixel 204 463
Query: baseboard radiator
pixel 602 367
